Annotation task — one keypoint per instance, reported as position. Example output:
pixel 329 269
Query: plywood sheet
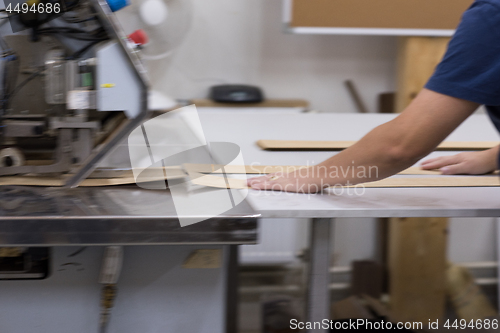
pixel 265 169
pixel 56 181
pixel 198 173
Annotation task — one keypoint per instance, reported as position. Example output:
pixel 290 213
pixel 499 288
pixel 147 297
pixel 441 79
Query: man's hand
pixel 470 163
pixel 302 181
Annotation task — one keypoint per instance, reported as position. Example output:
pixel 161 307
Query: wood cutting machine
pixel 73 86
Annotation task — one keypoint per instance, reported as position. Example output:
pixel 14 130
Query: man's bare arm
pixel 389 148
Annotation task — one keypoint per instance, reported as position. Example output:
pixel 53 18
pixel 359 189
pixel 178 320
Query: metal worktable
pixel 37 216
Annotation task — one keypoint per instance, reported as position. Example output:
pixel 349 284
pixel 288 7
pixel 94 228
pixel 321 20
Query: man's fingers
pixel 430 160
pixel 264 182
pixel 440 162
pixel 256 180
pixel 454 169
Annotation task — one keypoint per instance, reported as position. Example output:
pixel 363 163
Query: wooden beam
pixel 417 246
pixel 417 59
pixel 417 268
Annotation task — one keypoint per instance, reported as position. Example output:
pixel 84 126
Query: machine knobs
pixel 139 37
pixel 10 157
pixel 115 5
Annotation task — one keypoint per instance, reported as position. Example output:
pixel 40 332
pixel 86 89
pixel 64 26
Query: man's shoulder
pixel 482 17
pixel 487 3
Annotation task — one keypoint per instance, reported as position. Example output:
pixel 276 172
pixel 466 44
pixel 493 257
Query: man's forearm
pixel 398 144
pixel 376 156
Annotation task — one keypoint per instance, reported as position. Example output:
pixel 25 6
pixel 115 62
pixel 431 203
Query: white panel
pixel 280 240
pixel 118 88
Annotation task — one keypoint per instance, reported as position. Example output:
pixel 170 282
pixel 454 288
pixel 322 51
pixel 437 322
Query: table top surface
pixel 245 129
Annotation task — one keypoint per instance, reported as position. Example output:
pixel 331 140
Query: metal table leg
pixel 232 288
pixel 318 294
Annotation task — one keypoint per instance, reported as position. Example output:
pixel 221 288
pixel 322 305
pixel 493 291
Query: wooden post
pixel 417 59
pixel 417 268
pixel 417 246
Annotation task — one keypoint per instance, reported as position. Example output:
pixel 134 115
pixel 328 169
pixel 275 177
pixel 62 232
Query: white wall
pixel 242 41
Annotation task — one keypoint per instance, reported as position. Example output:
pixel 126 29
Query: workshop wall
pixel 243 42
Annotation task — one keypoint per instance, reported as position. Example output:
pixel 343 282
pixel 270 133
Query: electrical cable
pixel 78 53
pixel 77 17
pixel 77 20
pixel 8 97
pixel 72 6
pixel 96 35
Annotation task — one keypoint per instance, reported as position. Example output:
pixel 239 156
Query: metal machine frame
pixel 114 29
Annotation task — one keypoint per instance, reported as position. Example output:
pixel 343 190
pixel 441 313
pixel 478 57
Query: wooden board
pixel 199 171
pixel 60 181
pixel 265 169
pixel 417 268
pixel 296 145
pixel 56 181
pixel 268 103
pixel 396 182
pixel 386 14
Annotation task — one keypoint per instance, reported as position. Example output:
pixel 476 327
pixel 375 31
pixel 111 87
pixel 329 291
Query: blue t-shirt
pixel 470 69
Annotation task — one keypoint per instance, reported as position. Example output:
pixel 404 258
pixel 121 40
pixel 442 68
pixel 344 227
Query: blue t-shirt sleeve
pixel 470 69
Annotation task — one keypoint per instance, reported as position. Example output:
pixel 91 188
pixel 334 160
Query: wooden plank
pixel 199 170
pixel 268 103
pixel 265 169
pixel 300 145
pixel 417 268
pixel 396 14
pixel 60 181
pixel 396 182
pixel 125 179
pixel 417 59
